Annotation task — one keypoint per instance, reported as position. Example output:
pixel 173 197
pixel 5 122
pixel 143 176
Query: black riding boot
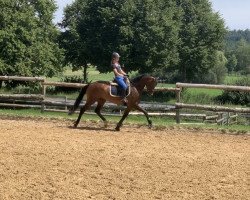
pixel 124 99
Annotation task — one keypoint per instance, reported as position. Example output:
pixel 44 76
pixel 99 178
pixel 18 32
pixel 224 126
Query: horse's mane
pixel 138 78
pixel 104 82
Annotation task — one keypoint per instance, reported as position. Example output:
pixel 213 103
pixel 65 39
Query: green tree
pixel 144 32
pixel 242 53
pixel 202 35
pixel 76 52
pixel 232 62
pixel 179 38
pixel 232 37
pixel 28 38
pixel 219 70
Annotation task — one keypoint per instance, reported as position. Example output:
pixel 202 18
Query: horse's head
pixel 151 83
pixel 145 80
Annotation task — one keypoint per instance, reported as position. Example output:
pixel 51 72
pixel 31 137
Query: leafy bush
pixel 69 79
pixel 72 79
pixel 13 84
pixel 24 87
pixel 158 96
pixel 196 96
pixel 236 97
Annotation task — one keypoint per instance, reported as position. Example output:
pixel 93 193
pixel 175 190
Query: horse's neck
pixel 140 86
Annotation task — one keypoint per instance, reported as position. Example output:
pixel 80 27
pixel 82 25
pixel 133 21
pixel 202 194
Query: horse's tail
pixel 78 99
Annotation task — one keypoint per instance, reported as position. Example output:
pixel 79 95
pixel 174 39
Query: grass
pixel 93 75
pixel 190 95
pixel 232 78
pixel 200 95
pixel 37 113
pixel 193 95
pixel 158 122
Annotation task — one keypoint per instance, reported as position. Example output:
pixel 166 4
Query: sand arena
pixel 42 159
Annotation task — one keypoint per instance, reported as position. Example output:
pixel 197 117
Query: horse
pixel 100 92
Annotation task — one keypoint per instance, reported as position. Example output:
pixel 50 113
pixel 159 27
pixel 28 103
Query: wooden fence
pixel 213 108
pixel 42 101
pixel 14 97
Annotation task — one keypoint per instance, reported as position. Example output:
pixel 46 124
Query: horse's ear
pixel 153 79
pixel 157 79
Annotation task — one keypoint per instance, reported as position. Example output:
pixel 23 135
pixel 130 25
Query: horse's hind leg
pixel 98 108
pixel 82 110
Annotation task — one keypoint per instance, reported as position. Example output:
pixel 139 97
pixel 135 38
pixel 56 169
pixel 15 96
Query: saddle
pixel 116 91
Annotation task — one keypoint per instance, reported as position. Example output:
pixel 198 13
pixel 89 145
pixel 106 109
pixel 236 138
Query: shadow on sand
pixel 93 128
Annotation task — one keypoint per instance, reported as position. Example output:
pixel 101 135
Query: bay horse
pixel 100 92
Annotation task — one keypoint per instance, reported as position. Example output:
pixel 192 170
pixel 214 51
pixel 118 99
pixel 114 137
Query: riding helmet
pixel 115 55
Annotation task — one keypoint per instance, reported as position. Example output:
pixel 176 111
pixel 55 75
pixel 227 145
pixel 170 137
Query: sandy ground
pixel 48 160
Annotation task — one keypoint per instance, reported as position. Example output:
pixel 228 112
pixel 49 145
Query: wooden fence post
pixel 178 100
pixel 44 94
pixel 66 107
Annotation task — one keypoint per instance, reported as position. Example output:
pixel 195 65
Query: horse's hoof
pixel 70 112
pixel 105 124
pixel 75 125
pixel 150 126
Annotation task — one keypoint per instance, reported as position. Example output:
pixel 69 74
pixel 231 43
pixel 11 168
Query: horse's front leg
pixel 146 114
pixel 126 112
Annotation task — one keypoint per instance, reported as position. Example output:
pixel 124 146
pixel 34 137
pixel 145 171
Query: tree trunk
pixel 184 73
pixel 85 73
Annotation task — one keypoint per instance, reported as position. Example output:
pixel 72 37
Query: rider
pixel 119 75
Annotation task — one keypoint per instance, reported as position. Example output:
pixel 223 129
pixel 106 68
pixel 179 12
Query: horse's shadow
pixel 92 128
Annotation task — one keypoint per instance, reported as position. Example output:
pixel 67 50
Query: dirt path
pixel 48 160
